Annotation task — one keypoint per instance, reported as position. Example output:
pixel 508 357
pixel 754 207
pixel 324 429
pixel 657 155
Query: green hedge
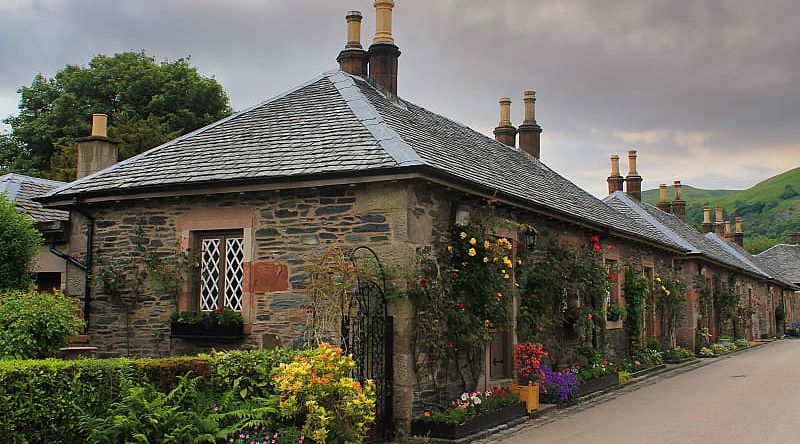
pixel 41 400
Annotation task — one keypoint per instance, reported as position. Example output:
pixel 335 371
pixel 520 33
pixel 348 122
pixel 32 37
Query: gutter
pixel 87 263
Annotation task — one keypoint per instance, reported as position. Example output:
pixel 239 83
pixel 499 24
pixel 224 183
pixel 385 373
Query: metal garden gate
pixel 368 335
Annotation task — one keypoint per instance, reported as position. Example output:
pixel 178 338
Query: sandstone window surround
pixel 233 229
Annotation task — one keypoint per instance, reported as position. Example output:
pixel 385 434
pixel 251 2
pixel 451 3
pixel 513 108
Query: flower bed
pixel 469 414
pixel 558 387
pixel 596 384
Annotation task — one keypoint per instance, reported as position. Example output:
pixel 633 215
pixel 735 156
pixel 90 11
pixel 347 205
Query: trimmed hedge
pixel 41 400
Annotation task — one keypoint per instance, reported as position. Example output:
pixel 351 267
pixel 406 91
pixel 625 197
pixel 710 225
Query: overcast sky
pixel 707 91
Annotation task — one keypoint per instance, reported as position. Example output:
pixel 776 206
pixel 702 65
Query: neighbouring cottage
pixel 54 269
pixel 341 161
pixel 785 258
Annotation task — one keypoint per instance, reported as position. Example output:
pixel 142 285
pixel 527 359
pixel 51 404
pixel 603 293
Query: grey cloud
pixel 725 69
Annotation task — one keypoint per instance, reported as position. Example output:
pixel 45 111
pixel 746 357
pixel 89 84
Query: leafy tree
pixel 149 103
pixel 19 244
pixel 36 325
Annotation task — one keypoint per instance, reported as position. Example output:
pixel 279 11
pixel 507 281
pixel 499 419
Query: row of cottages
pixel 342 161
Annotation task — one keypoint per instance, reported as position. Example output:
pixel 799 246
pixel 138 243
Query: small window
pixel 221 270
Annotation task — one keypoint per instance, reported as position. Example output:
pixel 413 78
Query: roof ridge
pixel 391 142
pixel 735 252
pixel 649 218
pixel 26 178
pixel 187 135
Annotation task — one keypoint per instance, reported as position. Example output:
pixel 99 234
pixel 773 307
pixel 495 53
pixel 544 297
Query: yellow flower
pixel 494 260
pixel 502 271
pixel 664 288
pixel 519 261
pixel 487 323
pixel 487 244
pixel 472 252
pixel 450 248
pixel 499 296
pixel 658 279
pixel 485 260
pixel 463 235
pixel 668 293
pixel 473 241
pixel 506 276
pixel 516 284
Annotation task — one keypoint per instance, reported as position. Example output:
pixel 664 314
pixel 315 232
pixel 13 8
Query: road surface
pixel 752 397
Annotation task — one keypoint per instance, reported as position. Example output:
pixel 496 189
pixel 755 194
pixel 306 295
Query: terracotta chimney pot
pixel 663 203
pixel 719 223
pixel 615 180
pixel 530 131
pixel 633 181
pixel 707 225
pixel 96 152
pixel 353 59
pixel 738 235
pixel 678 205
pixel 505 132
pixel 383 54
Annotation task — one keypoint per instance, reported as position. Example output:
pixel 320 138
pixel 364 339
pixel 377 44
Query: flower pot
pixel 529 394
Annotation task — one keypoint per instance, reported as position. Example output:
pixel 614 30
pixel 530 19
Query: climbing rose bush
pixel 316 387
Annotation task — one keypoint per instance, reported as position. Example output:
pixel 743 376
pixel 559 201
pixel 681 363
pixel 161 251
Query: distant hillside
pixel 771 209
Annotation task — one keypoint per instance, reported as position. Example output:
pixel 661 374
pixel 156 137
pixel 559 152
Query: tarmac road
pixel 752 397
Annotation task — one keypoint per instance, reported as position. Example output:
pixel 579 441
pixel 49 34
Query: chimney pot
pixel 530 132
pixel 707 226
pixel 678 205
pixel 738 236
pixel 505 132
pixel 719 223
pixel 633 180
pixel 383 54
pixel 353 58
pixel 663 203
pixel 728 233
pixel 615 180
pixel 383 21
pixel 99 125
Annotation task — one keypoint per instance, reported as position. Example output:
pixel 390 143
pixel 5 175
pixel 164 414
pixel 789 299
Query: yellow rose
pixel 664 288
pixel 463 235
pixel 473 241
pixel 658 279
pixel 507 276
pixel 450 248
pixel 486 244
pixel 485 260
pixel 472 252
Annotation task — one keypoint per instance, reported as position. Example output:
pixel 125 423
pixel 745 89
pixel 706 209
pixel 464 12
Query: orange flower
pixel 427 414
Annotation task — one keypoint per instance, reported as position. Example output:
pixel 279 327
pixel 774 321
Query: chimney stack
pixel 719 224
pixel 530 132
pixel 738 235
pixel 633 181
pixel 353 58
pixel 679 205
pixel 707 226
pixel 96 152
pixel 383 53
pixel 615 180
pixel 728 231
pixel 794 238
pixel 505 132
pixel 663 203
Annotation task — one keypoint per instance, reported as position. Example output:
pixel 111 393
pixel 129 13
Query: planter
pixel 529 394
pixel 680 361
pixel 597 384
pixel 612 317
pixel 472 426
pixel 201 331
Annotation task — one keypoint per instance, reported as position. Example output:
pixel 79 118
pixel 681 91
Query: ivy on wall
pixel 636 289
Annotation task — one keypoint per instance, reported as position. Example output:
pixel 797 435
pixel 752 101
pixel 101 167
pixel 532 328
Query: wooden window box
pixel 474 425
pixel 204 331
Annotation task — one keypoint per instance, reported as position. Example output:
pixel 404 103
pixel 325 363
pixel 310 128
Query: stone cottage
pixel 341 160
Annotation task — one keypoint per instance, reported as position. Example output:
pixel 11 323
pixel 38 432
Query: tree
pixel 149 103
pixel 19 244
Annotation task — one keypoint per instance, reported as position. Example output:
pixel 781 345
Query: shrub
pixel 742 343
pixel 732 346
pixel 677 354
pixel 249 372
pixel 43 398
pixel 315 390
pixel 36 325
pixel 19 245
pixel 654 344
pixel 719 349
pixel 651 358
pixel 706 352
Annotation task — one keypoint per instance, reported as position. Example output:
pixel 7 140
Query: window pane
pixel 209 274
pixel 234 272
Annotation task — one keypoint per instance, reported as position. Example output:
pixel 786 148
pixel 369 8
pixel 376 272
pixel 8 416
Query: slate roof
pixel 23 189
pixel 710 245
pixel 338 124
pixel 785 259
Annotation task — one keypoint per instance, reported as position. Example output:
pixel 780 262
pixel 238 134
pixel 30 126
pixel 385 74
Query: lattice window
pixel 234 272
pixel 221 271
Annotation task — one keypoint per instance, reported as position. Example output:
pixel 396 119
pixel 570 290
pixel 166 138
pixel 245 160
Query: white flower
pixel 477 401
pixel 464 396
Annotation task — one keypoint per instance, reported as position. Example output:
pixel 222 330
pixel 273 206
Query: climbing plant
pixel 670 302
pixel 726 301
pixel 636 289
pixel 332 278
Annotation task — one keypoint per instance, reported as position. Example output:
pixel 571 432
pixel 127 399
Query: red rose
pixel 595 238
pixel 596 247
pixel 423 282
pixel 612 276
pixel 589 316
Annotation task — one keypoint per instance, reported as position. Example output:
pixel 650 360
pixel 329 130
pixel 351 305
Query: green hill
pixel 771 209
